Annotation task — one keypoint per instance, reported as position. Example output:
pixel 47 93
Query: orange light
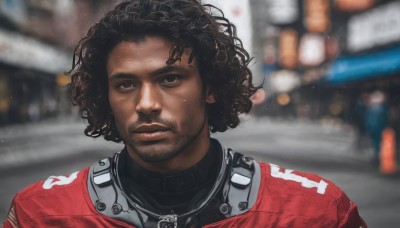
pixel 354 5
pixel 317 15
pixel 288 46
pixel 63 80
pixel 283 99
pixel 388 163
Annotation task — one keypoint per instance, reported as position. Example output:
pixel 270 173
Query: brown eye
pixel 171 80
pixel 126 85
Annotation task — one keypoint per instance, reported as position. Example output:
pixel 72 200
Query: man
pixel 159 75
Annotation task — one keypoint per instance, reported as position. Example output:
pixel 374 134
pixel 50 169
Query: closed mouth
pixel 150 128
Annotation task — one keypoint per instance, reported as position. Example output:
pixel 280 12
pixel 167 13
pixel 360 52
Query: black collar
pixel 187 180
pixel 178 191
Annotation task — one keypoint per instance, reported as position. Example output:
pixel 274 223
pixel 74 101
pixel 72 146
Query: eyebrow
pixel 162 70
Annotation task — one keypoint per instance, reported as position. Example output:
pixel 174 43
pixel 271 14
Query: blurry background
pixel 331 73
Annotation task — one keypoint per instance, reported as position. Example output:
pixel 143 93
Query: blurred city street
pixel 330 71
pixel 31 152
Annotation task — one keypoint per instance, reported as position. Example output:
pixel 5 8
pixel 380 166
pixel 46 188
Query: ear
pixel 210 98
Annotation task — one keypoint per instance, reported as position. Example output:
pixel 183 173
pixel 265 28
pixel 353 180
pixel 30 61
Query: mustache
pixel 160 121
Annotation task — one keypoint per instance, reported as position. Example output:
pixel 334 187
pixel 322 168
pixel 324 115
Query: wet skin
pixel 159 109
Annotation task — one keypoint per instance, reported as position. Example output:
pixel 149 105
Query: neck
pixel 175 191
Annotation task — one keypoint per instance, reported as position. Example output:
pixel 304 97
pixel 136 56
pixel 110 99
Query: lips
pixel 150 132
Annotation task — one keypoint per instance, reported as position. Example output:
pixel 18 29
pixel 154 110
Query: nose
pixel 148 100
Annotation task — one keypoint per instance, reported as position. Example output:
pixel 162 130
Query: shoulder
pixel 300 194
pixel 55 195
pixel 288 198
pixel 54 185
pixel 289 180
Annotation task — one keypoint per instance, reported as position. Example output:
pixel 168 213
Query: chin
pixel 154 154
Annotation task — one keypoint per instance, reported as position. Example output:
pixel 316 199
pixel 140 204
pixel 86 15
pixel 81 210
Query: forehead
pixel 141 47
pixel 151 44
pixel 148 52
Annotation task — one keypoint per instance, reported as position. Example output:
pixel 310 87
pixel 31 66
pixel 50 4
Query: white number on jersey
pixel 288 175
pixel 59 180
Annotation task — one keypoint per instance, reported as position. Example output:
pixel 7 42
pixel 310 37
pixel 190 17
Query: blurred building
pixel 36 44
pixel 320 56
pixel 317 56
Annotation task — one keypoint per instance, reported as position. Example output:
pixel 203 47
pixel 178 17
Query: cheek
pixel 186 108
pixel 122 108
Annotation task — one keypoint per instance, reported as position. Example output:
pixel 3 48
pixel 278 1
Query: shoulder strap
pixel 241 189
pixel 108 198
pixel 239 192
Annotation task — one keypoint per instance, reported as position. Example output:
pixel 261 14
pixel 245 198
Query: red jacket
pixel 285 199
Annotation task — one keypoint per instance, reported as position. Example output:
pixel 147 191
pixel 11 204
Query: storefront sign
pixel 238 12
pixel 317 15
pixel 332 47
pixel 312 49
pixel 26 52
pixel 282 11
pixel 353 5
pixel 372 65
pixel 374 28
pixel 284 81
pixel 288 45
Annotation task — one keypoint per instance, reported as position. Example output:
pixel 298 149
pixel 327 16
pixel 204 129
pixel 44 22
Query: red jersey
pixel 285 198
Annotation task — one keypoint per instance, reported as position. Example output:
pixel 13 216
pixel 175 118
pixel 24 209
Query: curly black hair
pixel 222 60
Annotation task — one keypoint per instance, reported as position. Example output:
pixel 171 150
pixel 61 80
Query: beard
pixel 165 149
pixel 159 151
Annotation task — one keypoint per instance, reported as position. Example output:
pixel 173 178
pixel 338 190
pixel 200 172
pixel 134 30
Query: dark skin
pixel 159 109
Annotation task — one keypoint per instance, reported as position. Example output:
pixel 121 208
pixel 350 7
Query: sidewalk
pixel 29 143
pixel 298 139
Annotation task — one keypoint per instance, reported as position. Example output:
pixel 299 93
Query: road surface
pixel 35 151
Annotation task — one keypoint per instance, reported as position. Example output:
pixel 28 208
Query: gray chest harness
pixel 233 193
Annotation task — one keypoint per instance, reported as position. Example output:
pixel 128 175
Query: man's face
pixel 159 109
